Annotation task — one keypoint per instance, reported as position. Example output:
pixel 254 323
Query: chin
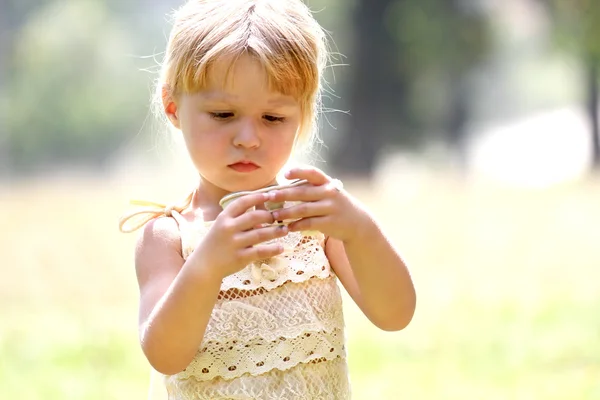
pixel 250 184
pixel 242 184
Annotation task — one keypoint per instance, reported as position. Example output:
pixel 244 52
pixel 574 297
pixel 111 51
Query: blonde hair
pixel 282 34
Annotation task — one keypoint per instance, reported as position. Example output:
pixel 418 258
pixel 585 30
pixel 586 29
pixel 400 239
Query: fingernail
pixel 275 215
pixel 283 228
pixel 288 173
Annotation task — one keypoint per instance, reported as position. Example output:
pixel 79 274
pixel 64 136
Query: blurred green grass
pixel 507 285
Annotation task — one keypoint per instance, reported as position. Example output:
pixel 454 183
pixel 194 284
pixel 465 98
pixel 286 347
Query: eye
pixel 272 118
pixel 221 115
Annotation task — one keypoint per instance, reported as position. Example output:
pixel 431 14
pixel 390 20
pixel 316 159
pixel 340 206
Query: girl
pixel 233 304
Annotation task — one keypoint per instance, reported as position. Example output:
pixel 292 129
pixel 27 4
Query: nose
pixel 247 135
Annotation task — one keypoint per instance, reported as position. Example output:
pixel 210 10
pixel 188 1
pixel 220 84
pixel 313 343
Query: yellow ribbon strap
pixel 149 211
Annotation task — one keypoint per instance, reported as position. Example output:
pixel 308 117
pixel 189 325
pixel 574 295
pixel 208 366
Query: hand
pixel 325 206
pixel 233 240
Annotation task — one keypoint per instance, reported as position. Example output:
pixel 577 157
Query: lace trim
pixel 304 259
pixel 232 359
pixel 276 315
pixel 287 311
pixel 323 381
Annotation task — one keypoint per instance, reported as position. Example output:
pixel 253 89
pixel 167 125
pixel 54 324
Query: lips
pixel 244 166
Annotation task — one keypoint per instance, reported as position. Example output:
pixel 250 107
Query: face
pixel 239 134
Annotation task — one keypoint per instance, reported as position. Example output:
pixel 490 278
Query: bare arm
pixel 176 298
pixel 374 275
pixel 367 264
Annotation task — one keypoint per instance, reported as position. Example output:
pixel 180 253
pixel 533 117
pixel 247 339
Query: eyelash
pixel 221 116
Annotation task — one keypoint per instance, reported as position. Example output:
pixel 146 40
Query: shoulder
pixel 158 261
pixel 161 232
pixel 159 245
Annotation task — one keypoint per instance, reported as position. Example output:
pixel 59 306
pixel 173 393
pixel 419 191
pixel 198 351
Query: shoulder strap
pixel 150 210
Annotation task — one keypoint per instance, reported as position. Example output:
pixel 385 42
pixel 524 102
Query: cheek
pixel 292 135
pixel 284 143
pixel 193 121
pixel 201 129
pixel 286 134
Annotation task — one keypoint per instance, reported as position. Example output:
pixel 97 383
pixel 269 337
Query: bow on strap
pixel 149 211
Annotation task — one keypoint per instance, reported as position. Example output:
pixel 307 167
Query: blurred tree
pixel 73 91
pixel 376 93
pixel 577 30
pixel 411 63
pixel 13 14
pixel 443 41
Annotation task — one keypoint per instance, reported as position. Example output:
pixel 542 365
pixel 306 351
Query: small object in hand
pixel 227 200
pixel 269 205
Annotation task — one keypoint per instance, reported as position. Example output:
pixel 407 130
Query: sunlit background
pixel 469 127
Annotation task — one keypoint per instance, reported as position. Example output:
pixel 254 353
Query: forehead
pixel 271 99
pixel 230 79
pixel 229 72
pixel 248 72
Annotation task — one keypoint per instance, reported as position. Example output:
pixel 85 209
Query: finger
pixel 262 251
pixel 260 235
pixel 253 219
pixel 305 192
pixel 242 204
pixel 311 174
pixel 309 224
pixel 303 210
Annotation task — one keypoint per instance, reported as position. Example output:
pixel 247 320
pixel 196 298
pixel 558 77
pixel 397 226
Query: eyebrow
pixel 282 101
pixel 218 96
pixel 278 101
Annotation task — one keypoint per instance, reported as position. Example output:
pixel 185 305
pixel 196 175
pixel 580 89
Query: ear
pixel 170 106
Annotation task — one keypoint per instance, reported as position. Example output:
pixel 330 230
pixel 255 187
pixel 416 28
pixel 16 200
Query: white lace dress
pixel 276 332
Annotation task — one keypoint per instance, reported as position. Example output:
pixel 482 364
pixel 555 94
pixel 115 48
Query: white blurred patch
pixel 537 151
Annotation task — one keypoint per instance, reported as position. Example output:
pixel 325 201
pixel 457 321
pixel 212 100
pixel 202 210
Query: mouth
pixel 244 166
